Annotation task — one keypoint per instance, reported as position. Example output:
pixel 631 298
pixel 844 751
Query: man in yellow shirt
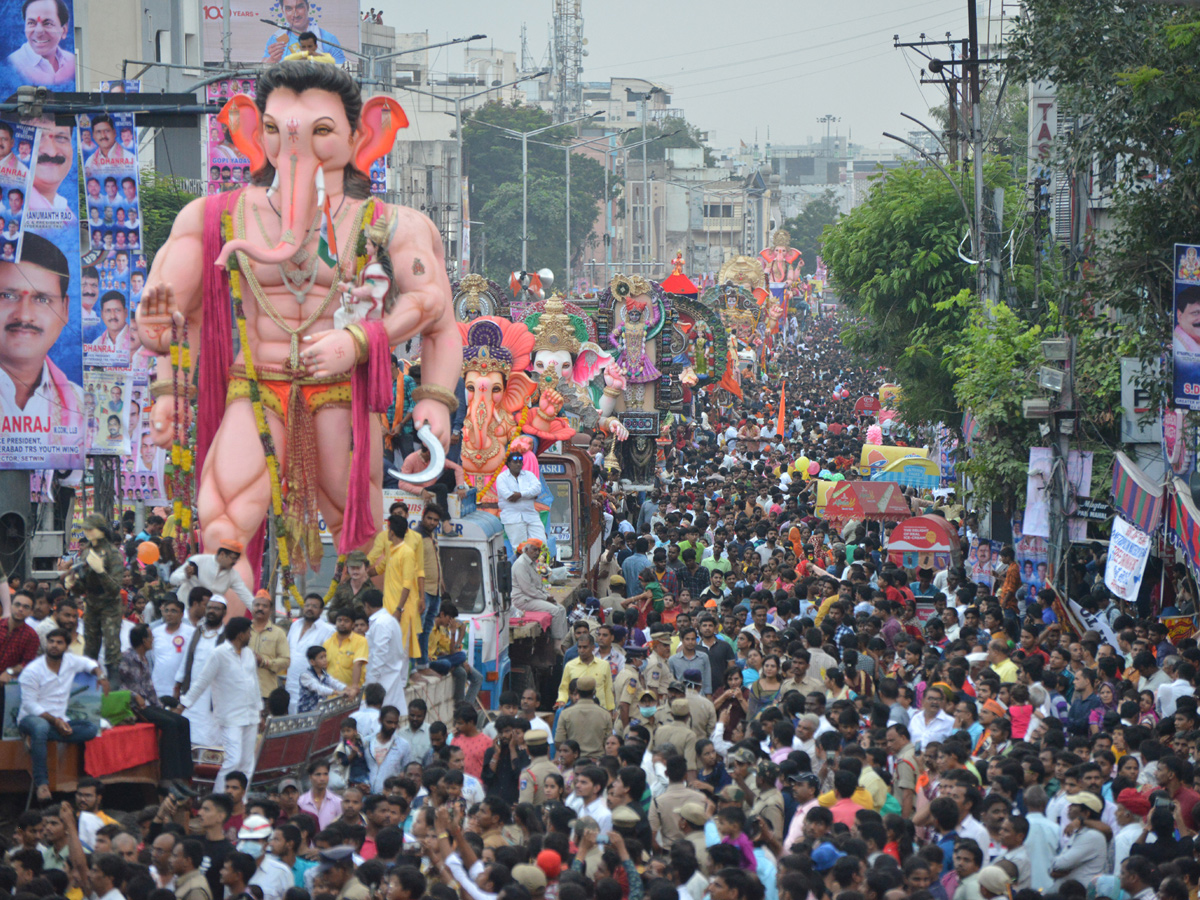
pixel 347 652
pixel 1000 663
pixel 587 664
pixel 378 554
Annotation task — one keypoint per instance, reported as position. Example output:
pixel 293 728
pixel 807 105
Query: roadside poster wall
pixel 226 167
pixel 336 26
pixel 1185 341
pixel 41 349
pixel 36 45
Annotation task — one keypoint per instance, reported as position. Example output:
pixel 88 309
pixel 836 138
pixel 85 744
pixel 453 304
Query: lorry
pixel 510 650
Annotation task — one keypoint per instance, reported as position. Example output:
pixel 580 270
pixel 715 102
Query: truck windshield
pixel 462 568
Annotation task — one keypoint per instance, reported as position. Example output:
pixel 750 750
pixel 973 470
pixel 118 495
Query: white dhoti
pixel 237 742
pixel 205 730
pixel 395 688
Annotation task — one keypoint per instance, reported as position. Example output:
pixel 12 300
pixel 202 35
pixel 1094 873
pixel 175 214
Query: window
pixel 562 514
pixel 462 570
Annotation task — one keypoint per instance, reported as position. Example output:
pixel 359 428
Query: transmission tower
pixel 568 59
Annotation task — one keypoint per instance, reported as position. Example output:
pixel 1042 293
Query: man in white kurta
pixel 309 630
pixel 516 491
pixel 232 674
pixel 387 655
pixel 528 594
pixel 215 571
pixel 200 647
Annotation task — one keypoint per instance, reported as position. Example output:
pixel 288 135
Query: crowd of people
pixel 754 704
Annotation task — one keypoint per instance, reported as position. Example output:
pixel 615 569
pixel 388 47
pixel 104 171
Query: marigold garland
pixel 264 432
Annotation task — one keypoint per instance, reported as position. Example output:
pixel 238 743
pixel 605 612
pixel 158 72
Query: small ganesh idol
pixel 373 291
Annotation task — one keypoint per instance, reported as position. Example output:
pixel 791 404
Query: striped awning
pixel 1139 500
pixel 1184 523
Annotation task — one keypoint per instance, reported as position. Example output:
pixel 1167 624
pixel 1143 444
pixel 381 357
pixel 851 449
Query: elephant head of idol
pixel 495 355
pixel 307 132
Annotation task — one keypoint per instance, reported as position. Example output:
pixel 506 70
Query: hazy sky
pixel 735 68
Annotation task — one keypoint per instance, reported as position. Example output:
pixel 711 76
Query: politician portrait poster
pixel 335 26
pixel 41 345
pixel 37 45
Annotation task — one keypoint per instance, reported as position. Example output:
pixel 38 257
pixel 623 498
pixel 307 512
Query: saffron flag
pixel 779 426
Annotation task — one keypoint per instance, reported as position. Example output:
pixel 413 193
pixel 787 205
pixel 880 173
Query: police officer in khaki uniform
pixel 657 674
pixel 532 781
pixel 628 683
pixel 679 734
pixel 768 805
pixel 703 713
pixel 586 722
pixel 664 809
pixel 647 712
pixel 692 817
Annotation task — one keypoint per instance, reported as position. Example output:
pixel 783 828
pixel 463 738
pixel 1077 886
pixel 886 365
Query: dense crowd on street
pixel 754 704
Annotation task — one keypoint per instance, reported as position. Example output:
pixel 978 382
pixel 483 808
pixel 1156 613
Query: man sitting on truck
pixel 528 595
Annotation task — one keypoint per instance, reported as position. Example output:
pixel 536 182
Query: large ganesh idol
pixel 588 376
pixel 277 423
pixel 499 418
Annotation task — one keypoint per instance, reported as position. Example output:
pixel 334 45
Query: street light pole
pixel 525 136
pixel 457 101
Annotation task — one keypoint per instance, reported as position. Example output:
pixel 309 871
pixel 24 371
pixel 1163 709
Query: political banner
pixel 132 86
pixel 112 285
pixel 37 45
pixel 227 168
pixel 142 471
pixel 107 404
pixel 253 40
pixel 379 176
pixel 1185 342
pixel 41 358
pixel 16 149
pixel 1128 551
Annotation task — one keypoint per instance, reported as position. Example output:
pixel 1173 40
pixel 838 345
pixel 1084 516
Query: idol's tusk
pixel 274 188
pixel 320 183
pixel 437 462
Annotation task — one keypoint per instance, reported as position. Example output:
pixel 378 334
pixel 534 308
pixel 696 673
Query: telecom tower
pixel 567 63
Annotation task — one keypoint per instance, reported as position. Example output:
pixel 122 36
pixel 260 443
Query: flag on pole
pixel 327 247
pixel 779 426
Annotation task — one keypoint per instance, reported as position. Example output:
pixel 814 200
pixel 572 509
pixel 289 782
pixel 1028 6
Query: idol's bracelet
pixel 360 342
pixel 164 388
pixel 442 395
pixel 611 392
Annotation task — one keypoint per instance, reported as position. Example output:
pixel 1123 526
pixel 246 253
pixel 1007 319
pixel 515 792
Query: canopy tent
pixel 911 471
pixel 866 406
pixel 861 500
pixel 875 457
pixel 926 542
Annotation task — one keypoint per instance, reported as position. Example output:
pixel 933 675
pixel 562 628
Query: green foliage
pixel 806 227
pixel 894 262
pixel 493 165
pixel 995 365
pixel 162 198
pixel 1129 76
pixel 681 134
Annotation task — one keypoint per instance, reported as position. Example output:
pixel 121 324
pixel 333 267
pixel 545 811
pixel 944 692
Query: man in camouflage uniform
pixel 348 596
pixel 99 581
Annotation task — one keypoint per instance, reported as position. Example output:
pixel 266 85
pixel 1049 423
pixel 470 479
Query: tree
pixel 894 261
pixel 493 165
pixel 673 133
pixel 805 228
pixel 1129 100
pixel 161 199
